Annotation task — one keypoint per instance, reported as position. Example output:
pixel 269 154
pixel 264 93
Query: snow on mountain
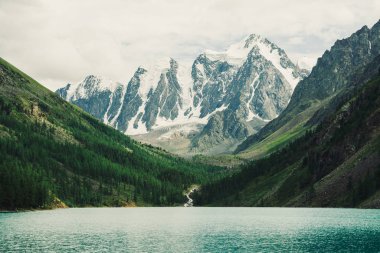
pixel 251 79
pixel 237 53
pixel 153 70
pixel 90 85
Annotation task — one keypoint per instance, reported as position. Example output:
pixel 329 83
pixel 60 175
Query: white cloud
pixel 62 41
pixel 297 40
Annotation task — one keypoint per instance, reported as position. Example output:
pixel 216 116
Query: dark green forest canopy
pixel 52 151
pixel 335 164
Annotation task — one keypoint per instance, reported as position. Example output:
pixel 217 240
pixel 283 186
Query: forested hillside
pixel 336 164
pixel 54 154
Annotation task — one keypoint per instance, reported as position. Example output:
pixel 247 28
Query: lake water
pixel 191 230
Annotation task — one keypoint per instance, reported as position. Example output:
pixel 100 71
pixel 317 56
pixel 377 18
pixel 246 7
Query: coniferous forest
pixel 54 154
pixel 304 172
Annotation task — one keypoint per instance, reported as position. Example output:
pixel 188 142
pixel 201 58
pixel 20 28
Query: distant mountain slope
pixel 335 72
pixel 246 85
pixel 337 164
pixel 53 152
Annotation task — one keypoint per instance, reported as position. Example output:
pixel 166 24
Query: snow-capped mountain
pixel 227 95
pixel 93 94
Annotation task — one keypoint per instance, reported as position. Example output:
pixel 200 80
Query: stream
pixel 189 202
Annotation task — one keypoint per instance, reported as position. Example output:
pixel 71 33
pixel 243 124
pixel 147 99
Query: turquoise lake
pixel 191 230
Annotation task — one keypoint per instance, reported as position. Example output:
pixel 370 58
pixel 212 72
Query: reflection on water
pixel 191 230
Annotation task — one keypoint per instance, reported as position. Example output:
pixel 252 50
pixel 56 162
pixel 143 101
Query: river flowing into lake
pixel 191 230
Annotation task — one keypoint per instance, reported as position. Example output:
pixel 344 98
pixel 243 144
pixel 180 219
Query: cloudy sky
pixel 60 41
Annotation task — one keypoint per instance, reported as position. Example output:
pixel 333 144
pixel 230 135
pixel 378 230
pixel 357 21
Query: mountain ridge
pixel 336 70
pixel 172 94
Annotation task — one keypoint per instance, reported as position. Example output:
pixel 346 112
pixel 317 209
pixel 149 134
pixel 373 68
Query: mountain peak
pixel 99 82
pixel 376 26
pixel 92 80
pixel 237 52
pixel 364 29
pixel 89 85
pixel 93 77
pixel 252 38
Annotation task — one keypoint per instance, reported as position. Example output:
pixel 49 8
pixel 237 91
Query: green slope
pixel 53 152
pixel 337 164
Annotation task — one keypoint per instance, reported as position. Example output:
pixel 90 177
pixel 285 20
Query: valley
pixel 246 125
pixel 189 126
pixel 55 154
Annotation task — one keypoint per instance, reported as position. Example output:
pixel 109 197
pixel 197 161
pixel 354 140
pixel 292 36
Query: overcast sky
pixel 63 41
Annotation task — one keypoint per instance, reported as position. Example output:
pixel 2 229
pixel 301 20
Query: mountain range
pixel 315 141
pixel 207 107
pixel 337 71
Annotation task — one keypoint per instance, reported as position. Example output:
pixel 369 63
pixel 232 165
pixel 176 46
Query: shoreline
pixel 179 206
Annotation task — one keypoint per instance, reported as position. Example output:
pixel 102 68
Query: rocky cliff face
pixel 260 89
pixel 231 93
pixel 336 71
pixel 92 95
pixel 337 66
